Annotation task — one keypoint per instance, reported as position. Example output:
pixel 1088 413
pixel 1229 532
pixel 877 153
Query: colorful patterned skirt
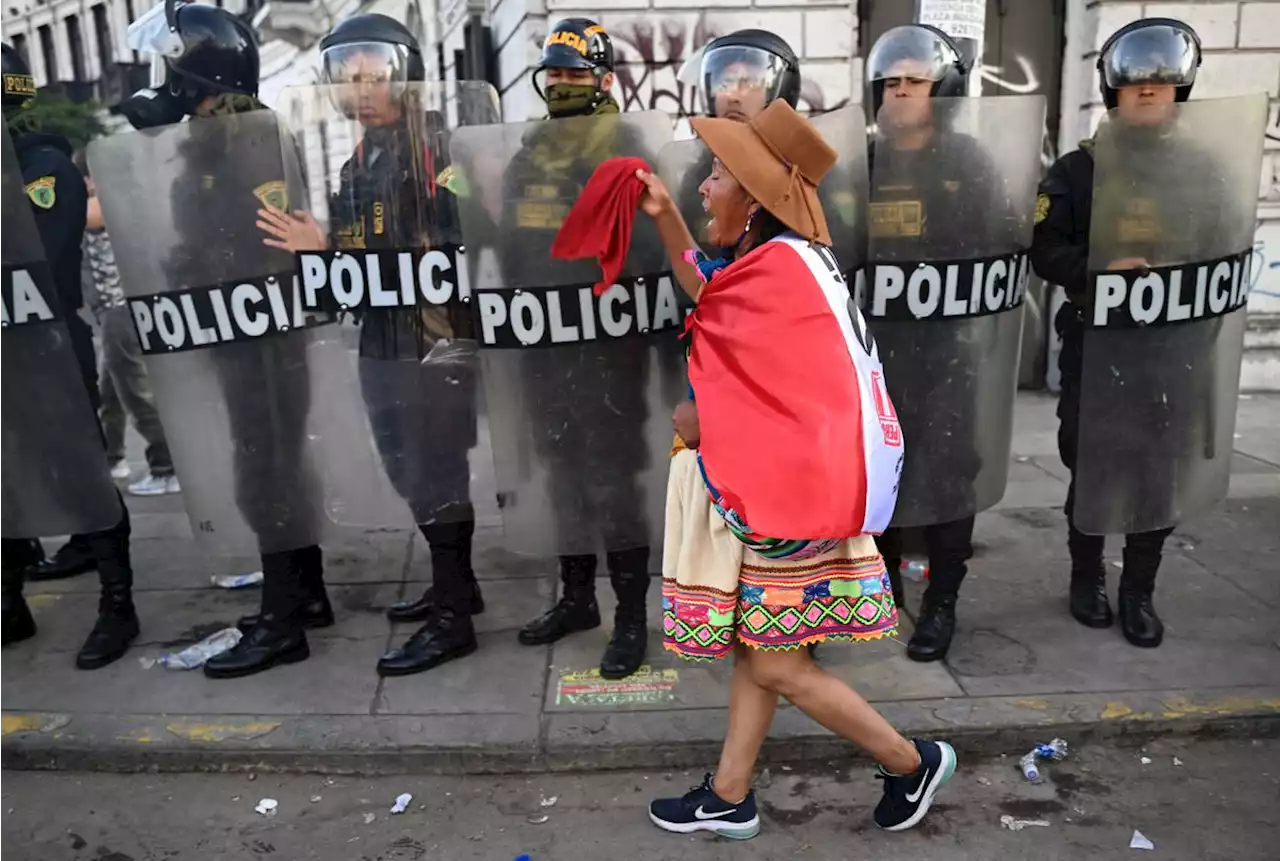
pixel 716 591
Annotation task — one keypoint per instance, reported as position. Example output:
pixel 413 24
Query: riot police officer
pixel 58 197
pixel 211 75
pixel 1144 69
pixel 935 196
pixel 574 77
pixel 422 409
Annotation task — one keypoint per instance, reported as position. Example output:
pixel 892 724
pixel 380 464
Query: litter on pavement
pixel 193 657
pixel 236 581
pixel 1140 841
pixel 402 802
pixel 267 807
pixel 1012 824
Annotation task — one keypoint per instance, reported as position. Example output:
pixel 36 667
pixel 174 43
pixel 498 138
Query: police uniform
pixel 389 197
pixel 59 199
pixel 541 184
pixel 1060 254
pixel 924 205
pixel 274 486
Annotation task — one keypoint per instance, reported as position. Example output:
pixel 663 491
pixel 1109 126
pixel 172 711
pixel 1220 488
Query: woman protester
pixel 784 374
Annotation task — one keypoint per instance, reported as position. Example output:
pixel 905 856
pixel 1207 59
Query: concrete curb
pixel 582 741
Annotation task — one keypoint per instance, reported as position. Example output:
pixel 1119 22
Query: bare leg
pixel 751 709
pixel 833 704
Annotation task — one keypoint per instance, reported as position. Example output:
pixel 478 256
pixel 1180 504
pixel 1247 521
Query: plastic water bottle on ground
pixel 915 570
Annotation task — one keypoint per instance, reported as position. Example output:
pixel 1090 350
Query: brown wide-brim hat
pixel 779 158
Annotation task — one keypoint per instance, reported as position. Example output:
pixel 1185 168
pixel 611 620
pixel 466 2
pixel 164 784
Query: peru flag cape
pixel 797 431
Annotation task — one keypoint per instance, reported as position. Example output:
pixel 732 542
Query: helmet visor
pixel 366 76
pixel 150 34
pixel 738 81
pixel 910 52
pixel 1159 54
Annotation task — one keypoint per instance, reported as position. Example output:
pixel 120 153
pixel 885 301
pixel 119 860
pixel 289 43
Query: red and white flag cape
pixel 797 430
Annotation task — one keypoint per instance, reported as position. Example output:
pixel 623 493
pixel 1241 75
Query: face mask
pixel 149 108
pixel 566 100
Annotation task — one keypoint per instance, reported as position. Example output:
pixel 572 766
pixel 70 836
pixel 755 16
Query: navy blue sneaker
pixel 700 809
pixel 907 798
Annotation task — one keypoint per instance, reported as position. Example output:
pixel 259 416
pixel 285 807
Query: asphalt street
pixel 1201 800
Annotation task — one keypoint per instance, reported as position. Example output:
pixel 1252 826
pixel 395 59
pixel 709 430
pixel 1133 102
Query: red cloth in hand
pixel 599 225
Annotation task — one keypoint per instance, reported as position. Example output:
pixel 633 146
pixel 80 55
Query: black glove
pixel 149 108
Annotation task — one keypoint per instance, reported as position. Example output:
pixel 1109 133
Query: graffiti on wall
pixel 649 56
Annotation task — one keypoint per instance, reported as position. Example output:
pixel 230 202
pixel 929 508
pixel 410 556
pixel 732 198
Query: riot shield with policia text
pixel 579 386
pixel 1170 255
pixel 250 385
pixel 952 198
pixel 389 259
pixel 55 475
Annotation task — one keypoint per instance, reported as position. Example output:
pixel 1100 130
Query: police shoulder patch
pixel 1042 207
pixel 273 193
pixel 41 192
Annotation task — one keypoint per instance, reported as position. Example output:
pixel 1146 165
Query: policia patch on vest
pixel 41 192
pixel 1042 207
pixel 273 194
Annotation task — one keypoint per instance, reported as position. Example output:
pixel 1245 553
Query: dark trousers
pixel 110 547
pixel 423 419
pixel 949 545
pixel 628 573
pixel 1142 549
pixel 124 391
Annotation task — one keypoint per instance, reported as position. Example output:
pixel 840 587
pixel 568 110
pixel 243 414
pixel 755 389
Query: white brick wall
pixel 1260 25
pixel 653 37
pixel 1214 22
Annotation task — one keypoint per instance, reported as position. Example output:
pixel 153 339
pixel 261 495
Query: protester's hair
pixel 764 226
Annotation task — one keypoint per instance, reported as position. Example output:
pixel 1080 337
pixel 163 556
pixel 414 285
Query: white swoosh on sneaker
pixel 924 782
pixel 702 814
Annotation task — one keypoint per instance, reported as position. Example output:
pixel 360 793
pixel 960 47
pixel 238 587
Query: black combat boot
pixel 316 611
pixel 71 560
pixel 1138 619
pixel 575 611
pixel 450 545
pixel 448 635
pixel 934 629
pixel 628 572
pixel 117 625
pixel 278 637
pixel 16 556
pixel 1089 603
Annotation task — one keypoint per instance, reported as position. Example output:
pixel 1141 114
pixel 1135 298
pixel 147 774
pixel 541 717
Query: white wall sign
pixel 961 19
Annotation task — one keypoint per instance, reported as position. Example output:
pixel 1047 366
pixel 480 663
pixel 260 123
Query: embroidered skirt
pixel 715 591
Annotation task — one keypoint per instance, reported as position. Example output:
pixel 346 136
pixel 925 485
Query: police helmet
pixel 577 43
pixel 206 49
pixel 755 59
pixel 916 51
pixel 1149 51
pixel 19 86
pixel 366 40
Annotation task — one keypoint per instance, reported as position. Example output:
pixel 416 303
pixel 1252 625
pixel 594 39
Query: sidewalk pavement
pixel 1020 670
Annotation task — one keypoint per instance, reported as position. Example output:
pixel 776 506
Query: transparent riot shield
pixel 1170 250
pixel 56 478
pixel 952 199
pixel 579 386
pixel 686 163
pixel 254 389
pixel 389 260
